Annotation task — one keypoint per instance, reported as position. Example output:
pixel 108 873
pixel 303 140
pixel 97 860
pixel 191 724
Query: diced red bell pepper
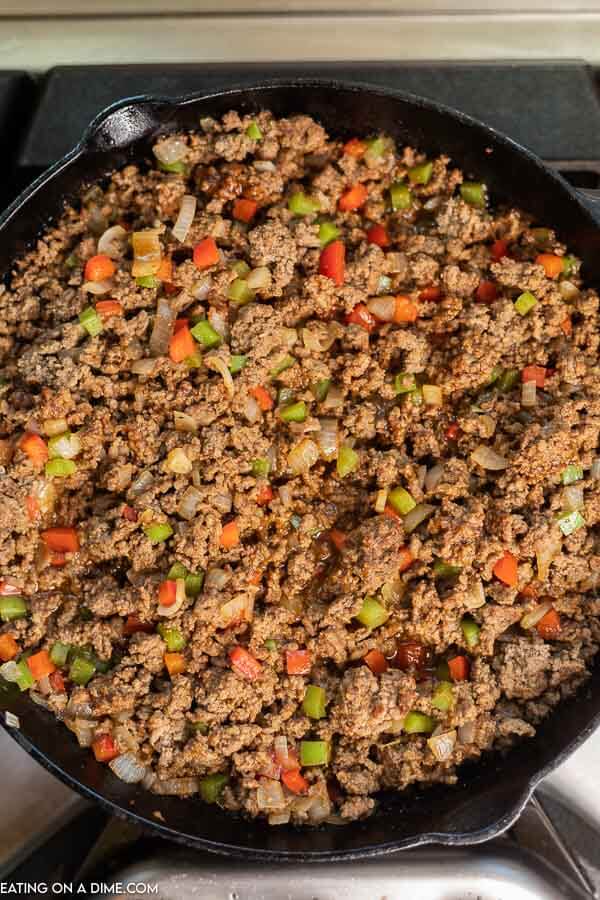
pixel 486 291
pixel 245 664
pixel 430 294
pixel 244 210
pixel 99 268
pixel 506 569
pixel 262 397
pixel 376 661
pixel 61 539
pixel 298 662
pixel 411 655
pixel 378 235
pixel 8 647
pixel 58 560
pixel 566 326
pixel 353 198
pixel 337 538
pixel 182 344
pixel 499 249
pixel 534 373
pixel 354 147
pixel 405 559
pixel 133 624
pixel 294 781
pixel 230 535
pixel 35 447
pixel 175 663
pixel 549 627
pixel 553 265
pixel 459 667
pixel 9 590
pixel 405 311
pixel 332 262
pixel 107 308
pixel 167 593
pixel 452 432
pixel 360 315
pixel 57 682
pixel 105 748
pixel 264 495
pixel 129 513
pixel 206 253
pixel 40 664
pixel 32 505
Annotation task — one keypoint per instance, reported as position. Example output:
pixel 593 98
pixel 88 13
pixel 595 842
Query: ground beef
pixel 239 499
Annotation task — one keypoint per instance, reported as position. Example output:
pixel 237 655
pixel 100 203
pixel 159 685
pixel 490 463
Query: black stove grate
pixel 554 109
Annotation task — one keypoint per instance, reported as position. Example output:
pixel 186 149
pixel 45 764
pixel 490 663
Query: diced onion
pixel 320 808
pixel 10 671
pixel 383 308
pixel 573 497
pixel 163 328
pixel 189 503
pixel 143 366
pixel 83 730
pixel 239 609
pixel 334 398
pixel 545 552
pixel 67 446
pixel 148 780
pixel 432 395
pixel 251 410
pixel 169 150
pixel 303 456
pixel 146 253
pixel 282 756
pixel 285 495
pixel 475 595
pixel 529 393
pixel 264 165
pixel 44 685
pixel 489 459
pixel 175 786
pixel 97 287
pixel 531 618
pixel 433 477
pixel 79 710
pixel 216 579
pixel 319 336
pixel 218 320
pixel 595 469
pixel 141 483
pixel 442 745
pixel 187 211
pixel 39 699
pixel 178 462
pixel 222 502
pixel 217 364
pixel 52 427
pixel 281 818
pixel 201 289
pixel 259 279
pixel 124 737
pixel 185 423
pixel 269 794
pixel 381 500
pixel 417 515
pixel 327 438
pixel 466 732
pixel 568 290
pixel 111 243
pixel 169 612
pixel 127 768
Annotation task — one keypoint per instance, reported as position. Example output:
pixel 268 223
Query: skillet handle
pixel 122 124
pixel 591 198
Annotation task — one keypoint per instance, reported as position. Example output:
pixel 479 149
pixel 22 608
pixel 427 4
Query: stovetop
pixel 49 833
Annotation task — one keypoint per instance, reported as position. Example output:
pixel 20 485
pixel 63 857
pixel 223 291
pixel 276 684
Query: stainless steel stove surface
pixel 49 833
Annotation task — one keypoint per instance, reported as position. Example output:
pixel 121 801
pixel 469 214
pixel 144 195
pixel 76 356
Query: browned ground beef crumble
pixel 299 586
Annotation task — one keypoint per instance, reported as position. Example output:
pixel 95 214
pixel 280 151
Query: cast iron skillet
pixel 491 793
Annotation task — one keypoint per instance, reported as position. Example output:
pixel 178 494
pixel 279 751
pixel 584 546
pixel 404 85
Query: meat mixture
pixel 299 482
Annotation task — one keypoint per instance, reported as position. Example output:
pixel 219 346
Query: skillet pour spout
pixel 491 793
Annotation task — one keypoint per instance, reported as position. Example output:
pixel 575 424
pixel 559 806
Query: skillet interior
pixel 492 792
